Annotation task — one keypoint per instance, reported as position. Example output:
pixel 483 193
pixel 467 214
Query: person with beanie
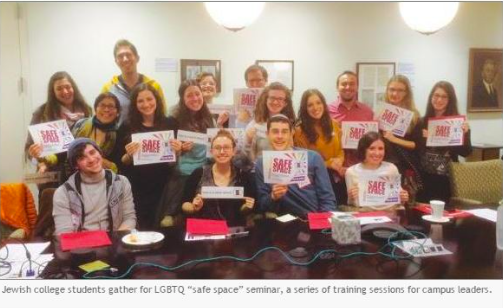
pixel 92 198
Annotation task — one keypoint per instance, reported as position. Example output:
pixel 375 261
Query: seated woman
pixel 371 151
pixel 318 132
pixel 221 173
pixel 102 128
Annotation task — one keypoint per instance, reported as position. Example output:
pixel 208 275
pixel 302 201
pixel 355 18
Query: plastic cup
pixel 437 209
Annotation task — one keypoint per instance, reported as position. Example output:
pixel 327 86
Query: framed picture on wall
pixel 190 68
pixel 485 86
pixel 372 80
pixel 279 70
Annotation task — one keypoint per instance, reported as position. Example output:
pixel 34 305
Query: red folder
pixel 319 221
pixel 85 239
pixel 207 226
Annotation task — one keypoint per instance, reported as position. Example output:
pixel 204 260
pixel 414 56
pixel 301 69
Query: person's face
pixel 222 150
pixel 375 153
pixel 280 136
pixel 315 107
pixel 106 111
pixel 488 73
pixel 348 87
pixel 91 161
pixel 126 60
pixel 276 101
pixel 396 93
pixel 146 103
pixel 208 87
pixel 64 91
pixel 439 100
pixel 193 98
pixel 255 79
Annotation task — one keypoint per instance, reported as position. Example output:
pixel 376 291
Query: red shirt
pixel 358 112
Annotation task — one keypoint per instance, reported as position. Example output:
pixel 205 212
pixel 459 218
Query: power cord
pixel 391 255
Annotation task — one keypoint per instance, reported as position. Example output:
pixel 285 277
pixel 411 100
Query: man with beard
pixel 347 108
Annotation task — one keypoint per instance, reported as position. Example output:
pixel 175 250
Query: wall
pixel 322 38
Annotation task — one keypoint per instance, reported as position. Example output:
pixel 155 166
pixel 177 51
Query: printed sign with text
pixel 154 148
pixel 378 190
pixel 246 98
pixel 216 192
pixel 55 137
pixel 395 119
pixel 353 131
pixel 285 167
pixel 445 131
pixel 188 136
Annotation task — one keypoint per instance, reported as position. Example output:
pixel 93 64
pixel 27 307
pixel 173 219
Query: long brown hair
pixel 307 123
pixel 408 100
pixel 136 118
pixel 194 121
pixel 452 100
pixel 262 112
pixel 52 109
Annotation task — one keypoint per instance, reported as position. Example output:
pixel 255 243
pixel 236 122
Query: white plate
pixel 431 219
pixel 142 238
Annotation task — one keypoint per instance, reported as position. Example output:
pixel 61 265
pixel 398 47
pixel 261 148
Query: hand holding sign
pixel 198 202
pixel 278 191
pixel 35 150
pixel 132 148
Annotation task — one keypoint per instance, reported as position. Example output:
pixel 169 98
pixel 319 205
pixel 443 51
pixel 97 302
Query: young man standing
pixel 347 108
pixel 315 196
pixel 92 198
pixel 127 58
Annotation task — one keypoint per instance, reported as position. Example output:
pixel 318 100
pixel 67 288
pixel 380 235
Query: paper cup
pixel 437 209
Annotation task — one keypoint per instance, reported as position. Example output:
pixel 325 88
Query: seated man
pixel 316 196
pixel 92 198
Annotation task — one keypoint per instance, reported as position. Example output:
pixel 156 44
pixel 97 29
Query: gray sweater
pixel 91 197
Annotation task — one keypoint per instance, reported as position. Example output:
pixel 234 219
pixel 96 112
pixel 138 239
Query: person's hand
pixel 198 202
pixel 465 127
pixel 389 136
pixel 342 172
pixel 249 203
pixel 336 164
pixel 222 118
pixel 243 115
pixel 353 192
pixel 404 196
pixel 176 145
pixel 425 133
pixel 187 146
pixel 132 148
pixel 35 150
pixel 278 191
pixel 41 167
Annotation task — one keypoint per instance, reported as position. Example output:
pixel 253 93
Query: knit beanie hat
pixel 75 145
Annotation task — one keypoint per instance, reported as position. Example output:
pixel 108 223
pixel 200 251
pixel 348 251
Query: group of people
pixel 101 188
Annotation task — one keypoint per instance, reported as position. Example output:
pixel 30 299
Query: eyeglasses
pixel 109 107
pixel 225 148
pixel 395 90
pixel 278 99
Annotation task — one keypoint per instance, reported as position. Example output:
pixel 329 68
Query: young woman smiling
pixel 371 151
pixel 146 114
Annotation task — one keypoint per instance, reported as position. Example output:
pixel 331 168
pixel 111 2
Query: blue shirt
pixel 318 196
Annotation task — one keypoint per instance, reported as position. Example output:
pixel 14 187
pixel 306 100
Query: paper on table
pixel 207 226
pixel 373 220
pixel 286 218
pixel 319 221
pixel 18 253
pixel 86 239
pixel 194 237
pixel 485 213
pixel 19 268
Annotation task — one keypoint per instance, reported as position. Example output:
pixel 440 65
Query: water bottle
pixel 499 227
